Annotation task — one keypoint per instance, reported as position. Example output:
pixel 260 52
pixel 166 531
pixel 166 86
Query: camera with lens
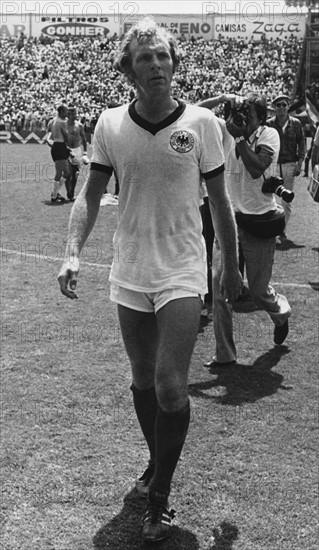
pixel 275 185
pixel 239 114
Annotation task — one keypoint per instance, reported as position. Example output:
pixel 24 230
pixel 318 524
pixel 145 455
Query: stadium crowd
pixel 38 73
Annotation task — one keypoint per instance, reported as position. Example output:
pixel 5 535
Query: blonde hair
pixel 145 31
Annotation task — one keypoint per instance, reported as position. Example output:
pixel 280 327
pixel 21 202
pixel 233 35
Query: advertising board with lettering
pixel 251 26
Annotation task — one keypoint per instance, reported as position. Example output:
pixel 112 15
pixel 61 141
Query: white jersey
pixel 245 192
pixel 158 243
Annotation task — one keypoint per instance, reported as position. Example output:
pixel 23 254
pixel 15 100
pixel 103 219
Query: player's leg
pixel 65 169
pixel 58 182
pixel 140 336
pixel 71 180
pixel 68 181
pixel 178 323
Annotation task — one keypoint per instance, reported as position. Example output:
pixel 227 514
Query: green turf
pixel 71 446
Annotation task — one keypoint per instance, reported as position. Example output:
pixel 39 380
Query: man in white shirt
pixel 159 148
pixel 252 157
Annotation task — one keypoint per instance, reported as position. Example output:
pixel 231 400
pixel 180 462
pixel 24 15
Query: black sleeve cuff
pixel 214 172
pixel 101 168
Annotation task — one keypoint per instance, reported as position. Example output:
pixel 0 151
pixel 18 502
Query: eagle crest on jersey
pixel 182 141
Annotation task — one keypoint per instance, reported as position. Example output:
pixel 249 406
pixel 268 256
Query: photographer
pixel 251 160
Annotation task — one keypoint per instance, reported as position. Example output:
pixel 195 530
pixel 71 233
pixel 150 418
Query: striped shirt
pixel 292 141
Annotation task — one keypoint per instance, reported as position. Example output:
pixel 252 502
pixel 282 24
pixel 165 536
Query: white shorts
pixel 76 157
pixel 149 302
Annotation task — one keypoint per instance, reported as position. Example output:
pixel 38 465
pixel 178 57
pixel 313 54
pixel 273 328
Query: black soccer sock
pixel 170 434
pixel 145 403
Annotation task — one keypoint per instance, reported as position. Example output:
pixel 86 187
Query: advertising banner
pixel 12 26
pixel 211 26
pixel 253 27
pixel 180 25
pixel 24 136
pixel 58 26
pixel 82 25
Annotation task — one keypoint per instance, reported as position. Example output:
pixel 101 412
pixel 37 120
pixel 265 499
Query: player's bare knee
pixel 172 395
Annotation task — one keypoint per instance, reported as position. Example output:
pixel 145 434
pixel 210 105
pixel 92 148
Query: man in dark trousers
pixel 292 150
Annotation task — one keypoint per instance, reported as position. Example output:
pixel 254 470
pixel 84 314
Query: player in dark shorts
pixel 59 151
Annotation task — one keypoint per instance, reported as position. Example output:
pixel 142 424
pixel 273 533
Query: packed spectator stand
pixel 39 73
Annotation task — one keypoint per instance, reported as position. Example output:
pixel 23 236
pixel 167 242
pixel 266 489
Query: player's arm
pixel 301 146
pixel 85 158
pixel 49 135
pixel 301 150
pixel 65 132
pixel 82 220
pixel 83 139
pixel 225 228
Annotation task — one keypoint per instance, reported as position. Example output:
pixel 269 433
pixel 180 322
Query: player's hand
pixel 85 159
pixel 297 170
pixel 68 278
pixel 50 142
pixel 231 284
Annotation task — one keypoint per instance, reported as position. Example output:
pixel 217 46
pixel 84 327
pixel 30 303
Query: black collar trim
pixel 154 128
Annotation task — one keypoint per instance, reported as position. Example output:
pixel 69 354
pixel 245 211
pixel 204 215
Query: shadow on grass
pixel 224 536
pixel 288 244
pixel 123 532
pixel 58 203
pixel 244 383
pixel 314 286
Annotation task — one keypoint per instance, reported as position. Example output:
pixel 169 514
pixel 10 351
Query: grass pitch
pixel 71 445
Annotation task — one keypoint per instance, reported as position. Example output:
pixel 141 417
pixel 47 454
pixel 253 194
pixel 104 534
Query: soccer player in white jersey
pixel 159 148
